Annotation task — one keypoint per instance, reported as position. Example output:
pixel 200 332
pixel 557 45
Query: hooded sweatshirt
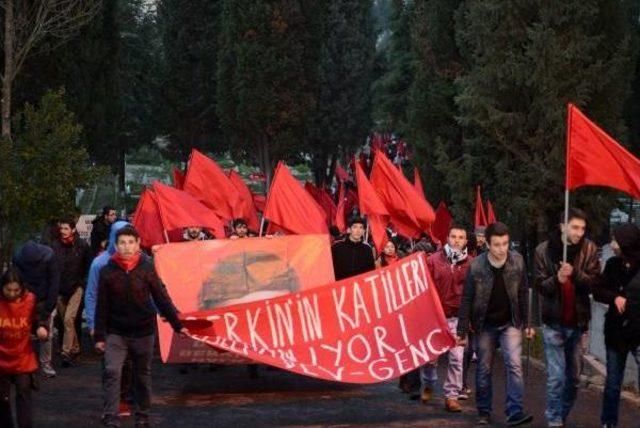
pixel 40 272
pixel 91 294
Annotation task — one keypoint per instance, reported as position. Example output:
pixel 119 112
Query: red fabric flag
pixel 259 201
pixel 375 210
pixel 442 223
pixel 178 178
pixel 322 197
pixel 491 215
pixel 417 182
pixel 410 213
pixel 147 221
pixel 207 182
pixel 291 207
pixel 247 208
pixel 340 220
pixel 596 159
pixel 480 217
pixel 341 174
pixel 178 209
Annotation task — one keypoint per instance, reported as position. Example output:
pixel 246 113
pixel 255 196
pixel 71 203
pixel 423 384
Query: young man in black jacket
pixel 74 258
pixel 619 288
pixel 494 304
pixel 564 289
pixel 125 323
pixel 40 271
pixel 352 256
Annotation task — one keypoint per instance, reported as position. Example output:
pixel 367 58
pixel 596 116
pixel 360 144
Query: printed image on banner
pixel 218 273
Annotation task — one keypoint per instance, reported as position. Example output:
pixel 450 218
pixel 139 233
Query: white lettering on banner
pixel 380 333
pixel 430 346
pixel 253 333
pixel 371 280
pixel 337 350
pixel 365 344
pixel 312 316
pixel 339 302
pixel 380 373
pixel 403 329
pixel 284 323
pixel 230 322
pixel 359 305
pixel 400 361
pixel 274 338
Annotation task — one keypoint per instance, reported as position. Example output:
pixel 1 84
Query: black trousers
pixel 22 386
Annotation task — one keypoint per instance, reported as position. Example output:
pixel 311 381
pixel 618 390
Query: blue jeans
pixel 563 351
pixel 616 362
pixel 510 339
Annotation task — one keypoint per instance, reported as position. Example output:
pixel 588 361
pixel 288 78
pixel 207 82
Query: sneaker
pixel 452 405
pixel 124 409
pixel 426 395
pixel 464 393
pixel 483 419
pixel 519 418
pixel 555 424
pixel 48 371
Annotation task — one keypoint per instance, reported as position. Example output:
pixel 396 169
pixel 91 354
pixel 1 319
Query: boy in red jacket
pixel 18 360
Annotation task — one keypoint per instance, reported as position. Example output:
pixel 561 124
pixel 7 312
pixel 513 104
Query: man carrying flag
pixel 564 287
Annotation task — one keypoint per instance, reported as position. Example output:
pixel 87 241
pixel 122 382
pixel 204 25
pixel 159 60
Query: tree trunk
pixel 7 78
pixel 264 159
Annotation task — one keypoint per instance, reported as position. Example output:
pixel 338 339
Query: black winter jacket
pixel 351 258
pixel 478 287
pixel 126 301
pixel 39 270
pixel 73 261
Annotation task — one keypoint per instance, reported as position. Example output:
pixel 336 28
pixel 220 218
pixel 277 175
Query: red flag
pixel 178 178
pixel 322 197
pixel 442 223
pixel 373 208
pixel 247 208
pixel 491 215
pixel 596 159
pixel 291 207
pixel 341 215
pixel 206 181
pixel 147 221
pixel 178 209
pixel 417 182
pixel 480 216
pixel 259 201
pixel 410 213
pixel 341 174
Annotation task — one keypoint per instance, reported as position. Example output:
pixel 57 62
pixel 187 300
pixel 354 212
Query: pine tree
pixel 342 117
pixel 527 60
pixel 190 45
pixel 263 94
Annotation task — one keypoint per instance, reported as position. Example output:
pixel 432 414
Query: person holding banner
pixel 619 288
pixel 494 304
pixel 448 268
pixel 564 287
pixel 241 229
pixel 125 323
pixel 352 256
pixel 195 233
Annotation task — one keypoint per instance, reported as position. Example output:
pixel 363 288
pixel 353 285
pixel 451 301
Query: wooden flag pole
pixel 261 226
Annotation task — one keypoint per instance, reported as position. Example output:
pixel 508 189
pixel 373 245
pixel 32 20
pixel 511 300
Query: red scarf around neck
pixel 69 240
pixel 127 264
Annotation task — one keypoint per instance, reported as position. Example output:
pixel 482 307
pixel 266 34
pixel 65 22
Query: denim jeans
pixel 616 362
pixel 510 339
pixel 453 382
pixel 563 351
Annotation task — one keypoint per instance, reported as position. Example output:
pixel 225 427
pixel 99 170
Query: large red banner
pixel 365 329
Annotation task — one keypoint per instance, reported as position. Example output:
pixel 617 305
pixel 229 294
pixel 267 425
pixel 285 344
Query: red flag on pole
pixel 417 183
pixel 322 197
pixel 259 201
pixel 178 209
pixel 440 229
pixel 341 174
pixel 491 215
pixel 207 182
pixel 596 159
pixel 480 216
pixel 178 178
pixel 291 207
pixel 247 208
pixel 375 210
pixel 340 220
pixel 409 213
pixel 147 221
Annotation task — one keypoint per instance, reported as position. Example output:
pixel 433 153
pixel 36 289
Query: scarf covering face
pixel 628 238
pixel 127 264
pixel 455 256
